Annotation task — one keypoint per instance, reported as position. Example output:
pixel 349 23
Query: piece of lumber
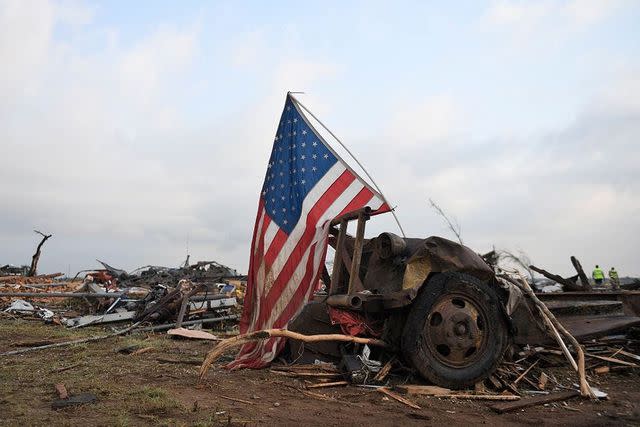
pixel 542 381
pixel 528 402
pixel 239 340
pixel 193 334
pixel 62 391
pixel 331 384
pixel 626 353
pixel 382 373
pixel 601 370
pixel 425 390
pixel 235 399
pixel 398 397
pixel 525 372
pixel 611 360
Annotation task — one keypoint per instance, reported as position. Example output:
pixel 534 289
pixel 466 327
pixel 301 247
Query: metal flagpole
pixel 353 157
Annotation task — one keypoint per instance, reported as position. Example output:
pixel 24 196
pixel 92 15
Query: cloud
pixel 549 16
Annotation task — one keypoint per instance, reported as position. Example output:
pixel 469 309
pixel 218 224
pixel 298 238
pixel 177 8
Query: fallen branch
pixel 585 389
pixel 240 340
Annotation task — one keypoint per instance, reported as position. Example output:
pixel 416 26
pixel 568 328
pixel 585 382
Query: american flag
pixel 307 185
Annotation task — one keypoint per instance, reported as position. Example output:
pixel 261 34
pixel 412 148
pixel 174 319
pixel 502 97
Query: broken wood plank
pixel 62 391
pixel 601 370
pixel 542 381
pixel 331 384
pixel 382 374
pixel 611 360
pixel 193 334
pixel 502 408
pixel 425 390
pixel 398 397
pixel 626 353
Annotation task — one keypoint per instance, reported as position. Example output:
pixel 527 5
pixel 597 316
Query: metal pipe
pixel 345 301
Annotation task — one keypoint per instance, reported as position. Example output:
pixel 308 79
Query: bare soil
pixel 143 390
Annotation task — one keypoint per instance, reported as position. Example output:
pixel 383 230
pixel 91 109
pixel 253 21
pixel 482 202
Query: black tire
pixel 456 333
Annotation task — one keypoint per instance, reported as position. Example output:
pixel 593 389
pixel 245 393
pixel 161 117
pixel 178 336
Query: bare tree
pixel 453 226
pixel 36 257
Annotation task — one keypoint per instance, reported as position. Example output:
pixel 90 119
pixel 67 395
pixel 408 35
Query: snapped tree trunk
pixel 567 284
pixel 586 285
pixel 36 257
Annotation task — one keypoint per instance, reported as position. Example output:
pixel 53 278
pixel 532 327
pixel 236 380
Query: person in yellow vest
pixel 598 275
pixel 613 279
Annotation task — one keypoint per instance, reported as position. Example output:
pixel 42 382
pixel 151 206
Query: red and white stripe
pixel 284 269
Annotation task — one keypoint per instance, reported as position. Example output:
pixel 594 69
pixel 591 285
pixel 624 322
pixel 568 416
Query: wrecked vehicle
pixel 435 301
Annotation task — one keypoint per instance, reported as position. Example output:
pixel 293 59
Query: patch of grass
pixel 155 401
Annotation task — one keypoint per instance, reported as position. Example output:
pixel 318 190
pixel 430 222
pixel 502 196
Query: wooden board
pixel 425 390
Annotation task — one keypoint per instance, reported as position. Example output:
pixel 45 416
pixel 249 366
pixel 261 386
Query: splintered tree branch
pixel 36 256
pixel 521 260
pixel 239 340
pixel 454 227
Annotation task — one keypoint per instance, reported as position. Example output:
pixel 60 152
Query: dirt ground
pixel 145 389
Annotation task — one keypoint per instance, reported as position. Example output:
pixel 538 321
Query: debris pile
pixel 159 296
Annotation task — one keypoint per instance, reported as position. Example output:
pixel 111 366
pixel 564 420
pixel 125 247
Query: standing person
pixel 598 275
pixel 613 278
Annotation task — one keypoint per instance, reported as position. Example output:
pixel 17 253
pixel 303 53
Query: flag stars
pixel 304 131
pixel 315 144
pixel 303 157
pixel 326 156
pixel 314 169
pixel 314 156
pixel 304 144
pixel 295 120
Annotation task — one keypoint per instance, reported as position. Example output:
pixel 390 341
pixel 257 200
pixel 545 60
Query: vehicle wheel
pixel 455 334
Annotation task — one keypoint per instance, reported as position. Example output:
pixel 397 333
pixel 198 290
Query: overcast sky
pixel 128 129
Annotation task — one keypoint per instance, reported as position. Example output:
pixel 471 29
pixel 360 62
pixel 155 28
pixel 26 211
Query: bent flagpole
pixel 375 185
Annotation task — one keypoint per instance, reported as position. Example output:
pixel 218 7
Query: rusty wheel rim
pixel 456 330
